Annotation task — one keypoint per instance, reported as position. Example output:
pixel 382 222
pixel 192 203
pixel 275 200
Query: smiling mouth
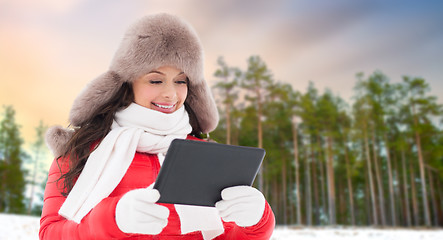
pixel 163 106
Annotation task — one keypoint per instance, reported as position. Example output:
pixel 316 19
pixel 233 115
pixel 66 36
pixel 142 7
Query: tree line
pixel 22 172
pixel 377 161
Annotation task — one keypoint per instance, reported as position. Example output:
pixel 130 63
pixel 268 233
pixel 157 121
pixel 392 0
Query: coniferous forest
pixel 374 161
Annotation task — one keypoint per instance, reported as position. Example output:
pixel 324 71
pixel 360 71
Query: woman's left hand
pixel 243 205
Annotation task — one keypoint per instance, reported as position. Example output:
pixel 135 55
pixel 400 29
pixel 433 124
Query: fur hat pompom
pixel 56 139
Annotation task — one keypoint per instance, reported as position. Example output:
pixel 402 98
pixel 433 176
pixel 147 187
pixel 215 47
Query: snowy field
pixel 14 227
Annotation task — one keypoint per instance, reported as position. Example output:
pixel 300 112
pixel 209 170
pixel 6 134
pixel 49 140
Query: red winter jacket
pixel 100 223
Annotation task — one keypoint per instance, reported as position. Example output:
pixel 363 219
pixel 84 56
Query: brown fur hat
pixel 153 41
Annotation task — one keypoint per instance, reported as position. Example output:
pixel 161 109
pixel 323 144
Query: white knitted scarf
pixel 135 128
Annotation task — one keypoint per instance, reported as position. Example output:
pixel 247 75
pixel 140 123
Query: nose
pixel 169 91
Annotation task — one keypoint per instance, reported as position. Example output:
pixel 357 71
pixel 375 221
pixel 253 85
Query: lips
pixel 165 108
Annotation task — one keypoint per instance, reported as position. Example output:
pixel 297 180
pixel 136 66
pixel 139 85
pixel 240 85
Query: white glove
pixel 136 212
pixel 243 205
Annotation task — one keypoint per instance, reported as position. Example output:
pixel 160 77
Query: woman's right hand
pixel 136 212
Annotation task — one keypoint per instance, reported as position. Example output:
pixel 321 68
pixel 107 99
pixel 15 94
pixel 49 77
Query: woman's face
pixel 163 89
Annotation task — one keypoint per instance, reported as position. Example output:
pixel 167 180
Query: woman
pixel 100 185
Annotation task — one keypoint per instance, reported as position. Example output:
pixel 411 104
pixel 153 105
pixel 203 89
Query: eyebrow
pixel 158 72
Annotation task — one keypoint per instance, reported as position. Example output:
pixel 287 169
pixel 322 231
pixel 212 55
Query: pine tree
pixel 361 111
pixel 278 109
pixel 12 182
pixel 421 107
pixel 39 151
pixel 345 128
pixel 227 84
pixel 309 128
pixel 379 94
pixel 257 79
pixel 328 111
pixel 294 103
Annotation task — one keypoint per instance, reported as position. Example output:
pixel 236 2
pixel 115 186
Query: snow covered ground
pixel 15 227
pixel 285 233
pixel 18 227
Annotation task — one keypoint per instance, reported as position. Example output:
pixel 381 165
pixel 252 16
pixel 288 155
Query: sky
pixel 50 49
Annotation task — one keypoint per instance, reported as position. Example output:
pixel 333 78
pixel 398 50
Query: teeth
pixel 163 106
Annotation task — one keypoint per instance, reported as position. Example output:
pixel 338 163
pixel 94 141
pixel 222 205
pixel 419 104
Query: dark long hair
pixel 90 132
pixel 93 130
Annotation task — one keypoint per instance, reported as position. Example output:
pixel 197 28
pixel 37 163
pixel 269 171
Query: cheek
pixel 143 95
pixel 183 93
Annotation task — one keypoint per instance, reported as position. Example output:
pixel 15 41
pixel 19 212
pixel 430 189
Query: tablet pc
pixel 195 172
